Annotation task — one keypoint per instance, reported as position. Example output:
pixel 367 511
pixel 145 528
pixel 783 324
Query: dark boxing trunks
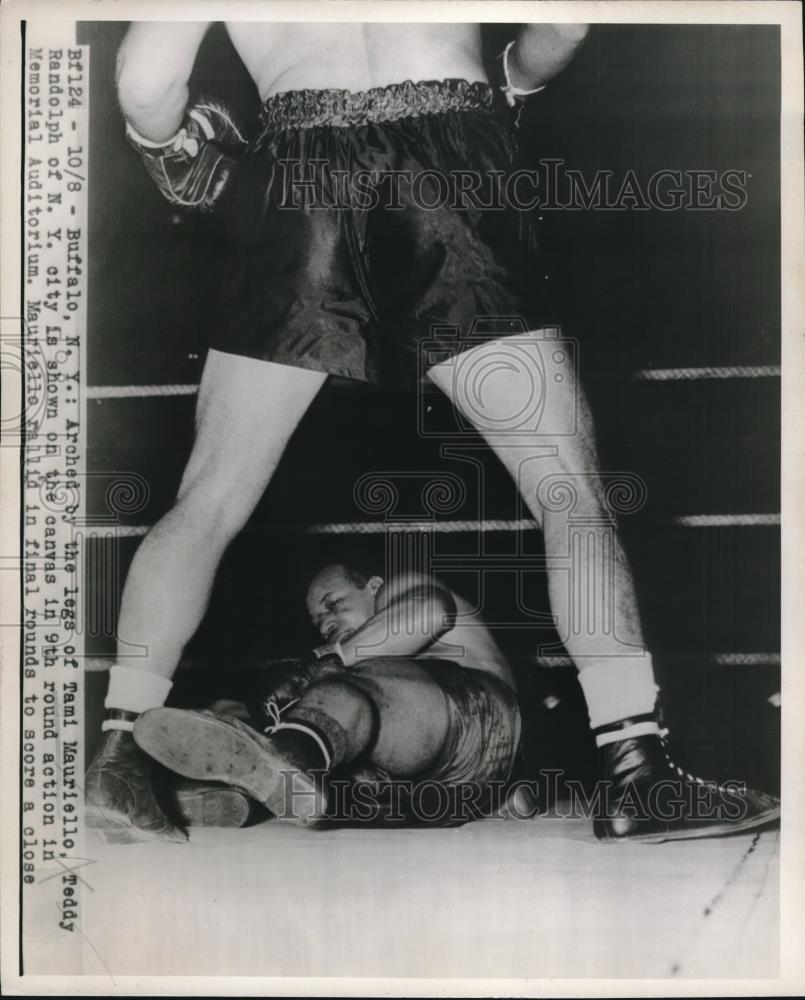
pixel 484 728
pixel 370 235
pixel 470 777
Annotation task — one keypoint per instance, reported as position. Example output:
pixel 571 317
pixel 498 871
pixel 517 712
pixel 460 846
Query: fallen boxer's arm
pixel 412 613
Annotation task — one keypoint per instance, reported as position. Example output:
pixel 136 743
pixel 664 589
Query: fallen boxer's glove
pixel 193 168
pixel 284 682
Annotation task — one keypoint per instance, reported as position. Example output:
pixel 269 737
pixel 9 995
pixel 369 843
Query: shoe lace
pixel 664 734
pixel 275 714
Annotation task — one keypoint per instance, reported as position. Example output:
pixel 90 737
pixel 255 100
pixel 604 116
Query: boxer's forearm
pixel 154 64
pixel 377 639
pixel 542 50
pixel 404 628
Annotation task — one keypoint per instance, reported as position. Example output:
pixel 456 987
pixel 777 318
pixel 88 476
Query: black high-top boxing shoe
pixel 120 801
pixel 647 797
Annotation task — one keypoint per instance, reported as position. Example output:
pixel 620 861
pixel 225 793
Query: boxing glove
pixel 283 682
pixel 193 168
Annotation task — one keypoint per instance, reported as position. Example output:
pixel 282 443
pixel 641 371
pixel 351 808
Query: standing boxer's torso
pixel 355 56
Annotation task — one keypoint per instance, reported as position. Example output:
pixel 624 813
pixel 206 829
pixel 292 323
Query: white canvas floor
pixel 538 898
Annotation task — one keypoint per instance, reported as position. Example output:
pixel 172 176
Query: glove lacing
pixel 183 143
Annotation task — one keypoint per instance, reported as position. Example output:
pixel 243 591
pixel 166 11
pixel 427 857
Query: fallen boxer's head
pixel 341 598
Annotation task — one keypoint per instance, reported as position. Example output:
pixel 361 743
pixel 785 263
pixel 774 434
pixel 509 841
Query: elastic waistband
pixel 345 109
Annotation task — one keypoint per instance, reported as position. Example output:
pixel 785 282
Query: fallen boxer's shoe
pixel 650 799
pixel 276 770
pixel 203 803
pixel 120 801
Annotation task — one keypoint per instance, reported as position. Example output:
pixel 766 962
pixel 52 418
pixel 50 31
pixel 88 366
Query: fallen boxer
pixel 411 696
pixel 409 712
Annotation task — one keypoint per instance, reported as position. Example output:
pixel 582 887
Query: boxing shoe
pixel 202 803
pixel 649 798
pixel 120 801
pixel 277 771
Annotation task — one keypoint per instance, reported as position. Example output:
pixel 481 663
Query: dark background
pixel 634 289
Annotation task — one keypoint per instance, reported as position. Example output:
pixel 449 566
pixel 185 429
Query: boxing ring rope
pixel 718 372
pixel 100 664
pixel 139 391
pixel 642 375
pixel 454 527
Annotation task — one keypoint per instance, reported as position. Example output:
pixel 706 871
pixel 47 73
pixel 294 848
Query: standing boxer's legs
pixel 590 585
pixel 593 596
pixel 247 411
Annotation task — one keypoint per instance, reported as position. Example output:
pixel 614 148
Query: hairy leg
pixel 550 452
pixel 247 412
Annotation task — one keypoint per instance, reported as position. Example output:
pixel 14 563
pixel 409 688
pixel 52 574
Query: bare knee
pixel 392 704
pixel 516 386
pixel 211 515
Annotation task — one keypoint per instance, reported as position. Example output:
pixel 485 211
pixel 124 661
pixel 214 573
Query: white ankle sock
pixel 618 689
pixel 136 690
pixel 629 733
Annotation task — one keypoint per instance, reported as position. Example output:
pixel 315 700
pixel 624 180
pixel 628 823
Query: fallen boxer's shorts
pixel 369 235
